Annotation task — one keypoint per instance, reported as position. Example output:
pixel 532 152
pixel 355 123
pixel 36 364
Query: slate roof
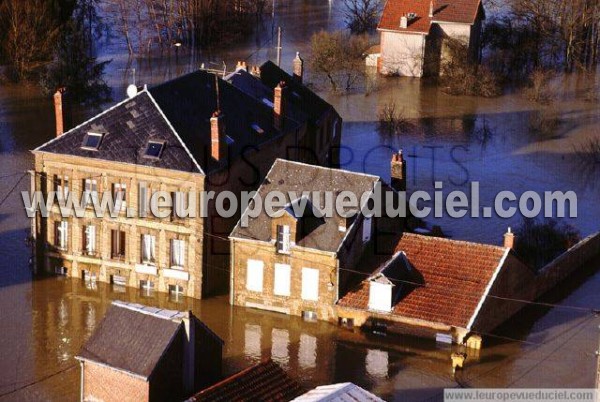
pixel 456 276
pixel 265 381
pixel 127 127
pixel 189 102
pixel 301 96
pixel 286 176
pixel 132 338
pixel 343 392
pixel 178 112
pixel 457 11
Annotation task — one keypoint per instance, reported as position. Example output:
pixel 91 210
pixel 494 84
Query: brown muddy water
pixel 44 321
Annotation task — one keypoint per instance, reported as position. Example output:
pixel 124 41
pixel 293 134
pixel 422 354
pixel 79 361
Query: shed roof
pixel 132 338
pixel 343 392
pixel 265 381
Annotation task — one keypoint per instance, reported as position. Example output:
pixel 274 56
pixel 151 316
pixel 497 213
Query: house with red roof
pixel 414 34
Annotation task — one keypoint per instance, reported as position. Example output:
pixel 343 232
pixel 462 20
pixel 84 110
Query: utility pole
pixel 279 46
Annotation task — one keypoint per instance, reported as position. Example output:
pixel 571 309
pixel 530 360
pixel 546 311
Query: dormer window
pixel 91 141
pixel 380 294
pixel 283 239
pixel 154 149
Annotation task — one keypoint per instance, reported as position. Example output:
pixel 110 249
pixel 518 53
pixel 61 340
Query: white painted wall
pixel 402 54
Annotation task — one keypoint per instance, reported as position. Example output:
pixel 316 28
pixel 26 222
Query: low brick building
pixel 298 263
pixel 265 381
pixel 140 353
pixel 192 134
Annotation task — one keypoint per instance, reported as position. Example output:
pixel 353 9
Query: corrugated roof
pixel 265 381
pixel 455 274
pixel 132 338
pixel 286 176
pixel 343 392
pixel 457 11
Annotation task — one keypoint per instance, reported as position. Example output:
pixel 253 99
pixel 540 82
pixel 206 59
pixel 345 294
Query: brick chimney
pixel 298 67
pixel 280 98
pixel 58 111
pixel 398 171
pixel 509 239
pixel 218 145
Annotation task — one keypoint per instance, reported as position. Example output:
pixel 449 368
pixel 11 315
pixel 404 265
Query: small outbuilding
pixel 142 353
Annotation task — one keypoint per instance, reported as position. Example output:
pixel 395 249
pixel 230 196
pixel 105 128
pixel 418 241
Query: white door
pixel 310 284
pixel 254 275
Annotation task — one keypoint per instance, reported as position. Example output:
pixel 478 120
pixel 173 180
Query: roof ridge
pixel 164 116
pixel 464 242
pixel 344 171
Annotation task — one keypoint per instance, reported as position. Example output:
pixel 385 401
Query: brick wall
pixel 105 384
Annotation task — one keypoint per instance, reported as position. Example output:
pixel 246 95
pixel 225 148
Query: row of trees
pixel 150 24
pixel 544 34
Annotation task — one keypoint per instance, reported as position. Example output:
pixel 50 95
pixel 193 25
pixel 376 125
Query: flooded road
pixel 454 139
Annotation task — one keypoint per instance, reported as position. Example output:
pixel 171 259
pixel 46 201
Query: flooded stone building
pixel 299 261
pixel 192 134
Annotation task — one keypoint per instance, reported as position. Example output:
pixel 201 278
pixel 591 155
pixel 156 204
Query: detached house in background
pixel 414 34
pixel 140 353
pixel 195 133
pixel 299 262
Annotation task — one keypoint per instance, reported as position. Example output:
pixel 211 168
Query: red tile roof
pixel 458 11
pixel 265 381
pixel 455 275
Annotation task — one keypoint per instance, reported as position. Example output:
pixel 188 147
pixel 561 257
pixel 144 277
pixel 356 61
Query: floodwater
pixel 44 321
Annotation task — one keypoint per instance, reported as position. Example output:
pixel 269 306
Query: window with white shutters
pixel 254 275
pixel 120 196
pixel 90 187
pixel 283 239
pixel 61 234
pixel 89 236
pixel 310 284
pixel 148 249
pixel 282 279
pixel 177 253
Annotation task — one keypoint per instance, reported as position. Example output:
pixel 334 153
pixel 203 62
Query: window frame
pixel 88 135
pixel 160 150
pixel 277 272
pixel 257 269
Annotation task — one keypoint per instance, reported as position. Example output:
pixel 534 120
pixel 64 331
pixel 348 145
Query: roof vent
pixel 411 16
pixel 403 22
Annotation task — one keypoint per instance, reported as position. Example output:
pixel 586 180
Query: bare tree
pixel 30 32
pixel 362 15
pixel 338 57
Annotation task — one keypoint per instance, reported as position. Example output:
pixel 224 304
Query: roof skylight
pixel 154 149
pixel 92 141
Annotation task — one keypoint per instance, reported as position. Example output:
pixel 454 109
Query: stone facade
pixel 101 264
